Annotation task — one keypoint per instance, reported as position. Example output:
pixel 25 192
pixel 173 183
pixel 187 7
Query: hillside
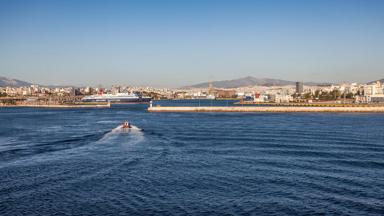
pixel 4 81
pixel 248 81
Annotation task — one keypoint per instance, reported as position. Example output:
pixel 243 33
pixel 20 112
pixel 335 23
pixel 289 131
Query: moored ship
pixel 117 98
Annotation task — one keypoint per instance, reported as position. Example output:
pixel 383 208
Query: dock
pixel 277 109
pixel 59 106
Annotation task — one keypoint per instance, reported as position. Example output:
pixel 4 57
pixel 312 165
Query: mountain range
pixel 4 81
pixel 234 83
pixel 250 81
pixel 381 80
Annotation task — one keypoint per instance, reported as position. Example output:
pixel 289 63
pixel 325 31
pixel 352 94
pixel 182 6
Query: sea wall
pixel 59 105
pixel 267 109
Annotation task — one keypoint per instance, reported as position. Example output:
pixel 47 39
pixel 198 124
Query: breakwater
pixel 60 105
pixel 267 109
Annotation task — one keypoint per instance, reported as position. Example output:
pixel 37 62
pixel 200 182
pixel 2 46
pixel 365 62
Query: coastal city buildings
pixel 341 93
pixel 371 93
pixel 299 88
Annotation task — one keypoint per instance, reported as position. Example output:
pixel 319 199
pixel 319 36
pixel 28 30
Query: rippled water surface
pixel 77 162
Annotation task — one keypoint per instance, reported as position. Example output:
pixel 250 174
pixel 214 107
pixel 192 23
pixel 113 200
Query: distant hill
pixel 381 80
pixel 4 81
pixel 249 81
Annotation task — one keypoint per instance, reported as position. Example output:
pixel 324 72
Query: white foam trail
pixel 133 127
pixel 117 129
pixel 111 133
pixel 135 134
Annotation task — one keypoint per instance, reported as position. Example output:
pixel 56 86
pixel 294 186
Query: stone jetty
pixel 268 109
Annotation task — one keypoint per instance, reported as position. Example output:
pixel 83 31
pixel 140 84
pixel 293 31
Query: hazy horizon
pixel 180 43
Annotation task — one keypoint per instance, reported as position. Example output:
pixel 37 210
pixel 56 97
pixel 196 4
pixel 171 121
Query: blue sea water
pixel 76 162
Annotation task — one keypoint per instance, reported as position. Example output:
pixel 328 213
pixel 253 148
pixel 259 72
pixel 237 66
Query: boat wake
pixel 131 135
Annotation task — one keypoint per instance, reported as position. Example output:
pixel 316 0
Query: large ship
pixel 117 98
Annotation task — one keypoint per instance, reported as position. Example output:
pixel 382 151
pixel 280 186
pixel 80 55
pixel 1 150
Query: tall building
pixel 299 88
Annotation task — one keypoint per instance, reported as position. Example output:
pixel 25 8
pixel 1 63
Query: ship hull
pixel 118 100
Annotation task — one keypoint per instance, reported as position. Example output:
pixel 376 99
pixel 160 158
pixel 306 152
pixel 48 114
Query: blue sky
pixel 180 42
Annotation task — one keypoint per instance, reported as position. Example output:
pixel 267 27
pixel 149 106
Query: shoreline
pixel 57 106
pixel 276 109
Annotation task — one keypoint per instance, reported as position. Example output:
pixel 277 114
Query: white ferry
pixel 118 97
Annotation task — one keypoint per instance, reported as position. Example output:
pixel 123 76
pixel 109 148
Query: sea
pixel 80 162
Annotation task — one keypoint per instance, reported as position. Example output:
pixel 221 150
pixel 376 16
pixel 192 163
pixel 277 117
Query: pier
pixel 59 106
pixel 279 109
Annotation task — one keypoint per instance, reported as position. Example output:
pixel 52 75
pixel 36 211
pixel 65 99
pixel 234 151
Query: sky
pixel 173 43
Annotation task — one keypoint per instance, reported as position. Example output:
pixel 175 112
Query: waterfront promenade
pixel 267 109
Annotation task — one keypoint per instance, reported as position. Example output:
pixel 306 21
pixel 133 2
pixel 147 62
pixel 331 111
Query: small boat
pixel 127 125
